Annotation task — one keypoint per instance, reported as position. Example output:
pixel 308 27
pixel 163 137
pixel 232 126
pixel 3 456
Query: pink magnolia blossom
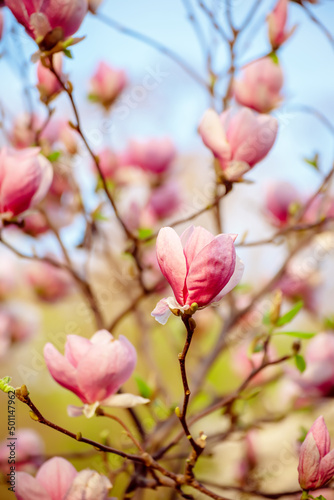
pixel 48 282
pixel 48 85
pixel 1 23
pixel 94 370
pixel 260 85
pixel 39 18
pixel 277 24
pixel 238 140
pixel 109 163
pixel 318 378
pixel 28 451
pixel 280 199
pixel 25 177
pixel 316 461
pixel 153 155
pixel 106 84
pixel 321 207
pixel 300 285
pixel 57 479
pixel 165 200
pixel 199 267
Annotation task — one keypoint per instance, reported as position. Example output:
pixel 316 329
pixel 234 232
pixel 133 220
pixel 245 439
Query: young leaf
pixel 144 389
pixel 298 335
pixel 286 318
pixel 300 363
pixel 144 232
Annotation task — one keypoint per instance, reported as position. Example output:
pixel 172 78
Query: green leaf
pixel 4 385
pixel 273 56
pixel 266 319
pixel 320 497
pixel 300 363
pixel 68 53
pixel 314 162
pixel 54 156
pixel 299 335
pixel 286 318
pixel 99 216
pixel 144 232
pixel 144 389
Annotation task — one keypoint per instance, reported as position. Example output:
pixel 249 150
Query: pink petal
pixel 56 475
pixel 234 280
pixel 46 179
pixel 213 135
pixel 101 337
pixel 309 462
pixel 211 270
pixel 105 368
pixel 62 370
pixel 75 348
pixel 321 435
pixel 326 469
pixel 89 485
pixel 28 488
pixel 172 261
pixel 196 241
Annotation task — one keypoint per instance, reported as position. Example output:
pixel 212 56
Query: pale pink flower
pixel 25 178
pixel 260 85
pixel 318 378
pixel 57 479
pixel 109 163
pixel 238 140
pixel 1 23
pixel 165 200
pixel 29 449
pixel 199 267
pixel 297 285
pixel 39 18
pixel 47 84
pixel 316 461
pixel 152 155
pixel 50 283
pixel 280 199
pixel 94 370
pixel 321 207
pixel 276 20
pixel 106 84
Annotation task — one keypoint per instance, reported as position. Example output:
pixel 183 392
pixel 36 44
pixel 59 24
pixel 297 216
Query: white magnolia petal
pixel 124 400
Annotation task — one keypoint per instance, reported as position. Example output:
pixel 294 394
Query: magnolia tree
pixel 108 243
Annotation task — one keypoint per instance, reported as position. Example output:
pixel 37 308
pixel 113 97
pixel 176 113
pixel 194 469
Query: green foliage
pixel 287 317
pixel 144 232
pixel 300 363
pixel 143 388
pixel 299 335
pixel 4 384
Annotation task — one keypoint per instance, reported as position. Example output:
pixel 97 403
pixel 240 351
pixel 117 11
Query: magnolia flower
pixel 153 155
pixel 239 140
pixel 106 84
pixel 165 200
pixel 276 24
pixel 316 461
pixel 39 18
pixel 260 85
pixel 48 85
pixel 25 177
pixel 48 282
pixel 108 162
pixel 28 451
pixel 199 267
pixel 57 479
pixel 281 197
pixel 94 370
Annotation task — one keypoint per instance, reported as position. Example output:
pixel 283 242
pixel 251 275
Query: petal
pixel 321 436
pixel 211 270
pixel 309 462
pixel 75 411
pixel 101 337
pixel 28 488
pixel 213 135
pixel 172 261
pixel 46 179
pixel 235 278
pixel 161 312
pixel 105 367
pixel 326 469
pixel 196 241
pixel 75 348
pixel 124 401
pixel 56 475
pixel 89 485
pixel 62 370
